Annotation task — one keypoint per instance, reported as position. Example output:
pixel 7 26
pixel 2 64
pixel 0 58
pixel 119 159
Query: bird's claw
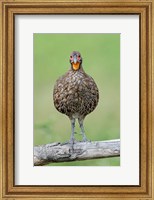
pixel 72 141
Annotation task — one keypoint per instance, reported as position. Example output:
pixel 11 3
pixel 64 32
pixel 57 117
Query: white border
pixel 128 172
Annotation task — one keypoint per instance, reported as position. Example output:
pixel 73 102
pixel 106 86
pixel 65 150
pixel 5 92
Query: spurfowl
pixel 76 94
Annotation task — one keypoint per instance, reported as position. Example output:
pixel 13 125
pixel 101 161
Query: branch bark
pixel 64 152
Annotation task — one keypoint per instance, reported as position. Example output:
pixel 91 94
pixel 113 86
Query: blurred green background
pixel 101 60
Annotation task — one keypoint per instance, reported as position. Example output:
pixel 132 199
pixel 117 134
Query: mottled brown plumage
pixel 75 93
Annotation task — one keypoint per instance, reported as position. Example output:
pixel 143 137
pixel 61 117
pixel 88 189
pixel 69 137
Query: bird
pixel 76 94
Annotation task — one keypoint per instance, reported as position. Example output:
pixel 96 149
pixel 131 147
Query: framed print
pixel 69 67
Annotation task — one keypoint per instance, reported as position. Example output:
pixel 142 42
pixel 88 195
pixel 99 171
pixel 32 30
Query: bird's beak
pixel 75 59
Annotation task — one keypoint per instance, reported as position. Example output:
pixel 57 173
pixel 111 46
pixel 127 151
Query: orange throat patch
pixel 76 66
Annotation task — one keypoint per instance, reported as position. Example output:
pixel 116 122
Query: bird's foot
pixel 73 141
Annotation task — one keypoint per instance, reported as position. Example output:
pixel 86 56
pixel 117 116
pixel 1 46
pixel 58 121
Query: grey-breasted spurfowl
pixel 76 94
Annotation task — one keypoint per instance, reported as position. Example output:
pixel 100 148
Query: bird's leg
pixel 84 138
pixel 72 139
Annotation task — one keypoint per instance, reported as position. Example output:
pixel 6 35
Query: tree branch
pixel 64 152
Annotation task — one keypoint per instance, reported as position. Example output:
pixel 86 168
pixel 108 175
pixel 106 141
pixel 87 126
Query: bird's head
pixel 75 60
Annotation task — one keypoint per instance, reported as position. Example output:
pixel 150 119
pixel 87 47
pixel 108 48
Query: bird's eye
pixel 79 56
pixel 70 56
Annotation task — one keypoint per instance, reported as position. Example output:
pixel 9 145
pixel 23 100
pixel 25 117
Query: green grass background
pixel 101 60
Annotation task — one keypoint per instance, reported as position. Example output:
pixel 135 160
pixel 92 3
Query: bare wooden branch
pixel 64 152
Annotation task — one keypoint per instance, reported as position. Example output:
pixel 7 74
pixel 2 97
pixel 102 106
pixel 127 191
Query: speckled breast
pixel 75 94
